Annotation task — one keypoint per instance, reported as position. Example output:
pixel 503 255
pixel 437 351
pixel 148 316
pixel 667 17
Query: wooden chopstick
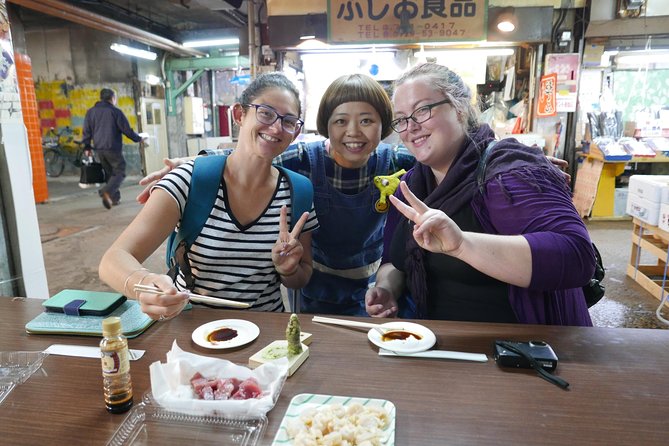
pixel 155 290
pixel 349 323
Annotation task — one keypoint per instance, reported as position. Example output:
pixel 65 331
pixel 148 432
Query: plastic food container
pixel 16 368
pixel 149 424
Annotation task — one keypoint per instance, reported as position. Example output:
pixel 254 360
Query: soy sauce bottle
pixel 115 367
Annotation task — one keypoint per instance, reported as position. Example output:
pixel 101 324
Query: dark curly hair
pixel 266 81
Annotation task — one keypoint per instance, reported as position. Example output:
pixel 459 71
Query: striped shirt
pixel 347 181
pixel 229 260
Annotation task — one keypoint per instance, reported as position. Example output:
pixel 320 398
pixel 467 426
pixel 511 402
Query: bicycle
pixel 54 144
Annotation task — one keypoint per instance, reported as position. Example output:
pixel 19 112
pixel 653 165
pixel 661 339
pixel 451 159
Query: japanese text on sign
pixel 401 21
pixel 547 91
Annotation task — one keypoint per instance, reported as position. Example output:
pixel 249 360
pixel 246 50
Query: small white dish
pixel 420 338
pixel 246 332
pixel 308 401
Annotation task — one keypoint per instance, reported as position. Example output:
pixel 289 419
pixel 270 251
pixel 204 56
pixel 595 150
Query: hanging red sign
pixel 547 89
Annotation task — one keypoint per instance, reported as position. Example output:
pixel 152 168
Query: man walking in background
pixel 105 124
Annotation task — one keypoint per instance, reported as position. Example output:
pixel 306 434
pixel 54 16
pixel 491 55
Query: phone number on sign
pixel 426 31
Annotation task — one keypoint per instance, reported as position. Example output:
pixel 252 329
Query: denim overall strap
pixel 348 245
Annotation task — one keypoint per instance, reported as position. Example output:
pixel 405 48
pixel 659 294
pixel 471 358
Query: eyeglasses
pixel 268 116
pixel 419 116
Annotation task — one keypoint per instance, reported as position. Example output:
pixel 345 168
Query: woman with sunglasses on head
pixel 508 248
pixel 245 250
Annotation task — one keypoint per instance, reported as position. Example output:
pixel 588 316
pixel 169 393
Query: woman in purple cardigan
pixel 514 250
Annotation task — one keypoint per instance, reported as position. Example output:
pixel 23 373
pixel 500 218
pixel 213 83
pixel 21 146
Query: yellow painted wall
pixel 64 105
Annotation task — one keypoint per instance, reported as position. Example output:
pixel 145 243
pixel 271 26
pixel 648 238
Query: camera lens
pixel 537 344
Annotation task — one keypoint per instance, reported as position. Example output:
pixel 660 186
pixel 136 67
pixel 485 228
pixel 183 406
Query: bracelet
pixel 140 282
pixel 125 284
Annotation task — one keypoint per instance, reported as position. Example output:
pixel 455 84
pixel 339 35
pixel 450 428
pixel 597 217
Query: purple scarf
pixel 457 190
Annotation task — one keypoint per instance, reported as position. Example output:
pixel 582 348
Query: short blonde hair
pixel 451 85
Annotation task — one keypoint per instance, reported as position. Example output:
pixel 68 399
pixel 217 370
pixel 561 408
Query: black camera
pixel 515 354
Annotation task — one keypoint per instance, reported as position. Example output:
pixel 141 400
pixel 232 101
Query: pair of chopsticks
pixel 348 323
pixel 194 297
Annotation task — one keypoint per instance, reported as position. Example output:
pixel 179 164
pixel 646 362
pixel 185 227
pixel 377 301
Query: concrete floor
pixel 76 230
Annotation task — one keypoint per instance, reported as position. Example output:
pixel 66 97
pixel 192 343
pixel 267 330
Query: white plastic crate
pixel 643 209
pixel 650 187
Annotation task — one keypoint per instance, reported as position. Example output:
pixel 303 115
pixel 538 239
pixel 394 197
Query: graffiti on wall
pixel 10 101
pixel 62 106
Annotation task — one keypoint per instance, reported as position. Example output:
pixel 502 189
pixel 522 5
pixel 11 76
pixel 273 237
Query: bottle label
pixel 115 362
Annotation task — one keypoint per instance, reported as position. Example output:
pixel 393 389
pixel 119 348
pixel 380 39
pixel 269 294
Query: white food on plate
pixel 336 425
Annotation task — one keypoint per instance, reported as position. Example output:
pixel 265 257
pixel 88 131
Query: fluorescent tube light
pixel 643 59
pixel 464 52
pixel 124 49
pixel 152 79
pixel 211 42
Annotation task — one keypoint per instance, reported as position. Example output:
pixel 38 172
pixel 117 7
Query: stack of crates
pixel 647 194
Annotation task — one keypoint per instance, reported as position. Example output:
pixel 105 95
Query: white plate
pixel 408 345
pixel 246 332
pixel 304 401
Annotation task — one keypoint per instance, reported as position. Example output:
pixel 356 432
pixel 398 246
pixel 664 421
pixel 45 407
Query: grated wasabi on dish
pixel 293 336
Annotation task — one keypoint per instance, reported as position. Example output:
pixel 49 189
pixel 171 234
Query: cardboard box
pixel 620 201
pixel 628 128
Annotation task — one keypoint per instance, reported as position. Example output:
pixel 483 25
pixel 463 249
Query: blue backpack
pixel 205 180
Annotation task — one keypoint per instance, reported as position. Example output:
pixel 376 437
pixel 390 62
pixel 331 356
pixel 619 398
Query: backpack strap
pixel 483 163
pixel 302 194
pixel 204 185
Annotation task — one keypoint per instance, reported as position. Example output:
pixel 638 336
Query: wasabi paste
pixel 275 352
pixel 293 336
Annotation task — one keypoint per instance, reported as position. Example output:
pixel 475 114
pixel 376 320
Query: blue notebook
pixel 133 321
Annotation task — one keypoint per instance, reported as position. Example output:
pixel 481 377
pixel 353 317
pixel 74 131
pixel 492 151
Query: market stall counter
pixel 617 392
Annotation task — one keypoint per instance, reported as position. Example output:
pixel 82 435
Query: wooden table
pixel 619 392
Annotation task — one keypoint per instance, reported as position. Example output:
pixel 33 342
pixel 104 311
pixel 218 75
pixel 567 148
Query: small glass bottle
pixel 115 366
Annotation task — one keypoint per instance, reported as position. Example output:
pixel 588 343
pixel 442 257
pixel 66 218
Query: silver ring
pixel 161 318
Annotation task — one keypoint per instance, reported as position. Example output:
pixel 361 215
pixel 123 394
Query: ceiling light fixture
pixel 312 44
pixel 308 30
pixel 507 21
pixel 152 79
pixel 211 42
pixel 136 52
pixel 641 58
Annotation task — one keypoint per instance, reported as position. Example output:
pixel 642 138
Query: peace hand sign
pixel 434 230
pixel 287 251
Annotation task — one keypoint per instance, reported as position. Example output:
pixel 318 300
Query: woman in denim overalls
pixel 355 114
